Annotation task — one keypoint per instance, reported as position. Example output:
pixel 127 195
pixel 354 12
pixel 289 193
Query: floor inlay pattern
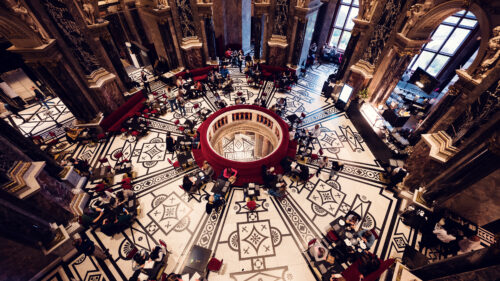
pixel 266 244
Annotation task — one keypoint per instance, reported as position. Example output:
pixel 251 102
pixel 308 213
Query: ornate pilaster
pixel 69 26
pixel 303 29
pixel 207 30
pixel 48 63
pixel 158 21
pixel 109 52
pixel 277 50
pixel 260 26
pixel 190 42
pixel 392 68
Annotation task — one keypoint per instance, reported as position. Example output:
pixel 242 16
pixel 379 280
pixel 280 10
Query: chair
pixel 101 137
pixel 176 122
pixel 118 155
pixel 132 253
pixel 103 161
pixel 214 265
pixel 314 156
pixel 331 236
pixel 52 134
pixel 251 205
pixel 320 152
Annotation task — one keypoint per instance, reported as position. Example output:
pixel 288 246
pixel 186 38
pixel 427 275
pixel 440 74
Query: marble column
pixel 109 52
pixel 49 65
pixel 158 24
pixel 395 63
pixel 257 36
pixel 65 21
pixel 302 36
pixel 246 25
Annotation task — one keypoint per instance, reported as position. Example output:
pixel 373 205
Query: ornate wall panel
pixel 475 115
pixel 186 19
pixel 383 30
pixel 72 34
pixel 281 17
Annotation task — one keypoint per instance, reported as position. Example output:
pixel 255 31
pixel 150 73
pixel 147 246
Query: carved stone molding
pixel 19 8
pixel 407 46
pixel 278 41
pixel 363 68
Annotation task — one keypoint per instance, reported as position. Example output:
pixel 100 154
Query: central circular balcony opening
pixel 244 137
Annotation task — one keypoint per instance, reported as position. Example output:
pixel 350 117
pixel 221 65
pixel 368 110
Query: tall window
pixel 341 32
pixel 446 40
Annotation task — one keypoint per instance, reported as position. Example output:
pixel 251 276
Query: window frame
pixel 343 29
pixel 462 15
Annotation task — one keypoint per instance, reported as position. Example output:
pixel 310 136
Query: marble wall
pixel 479 202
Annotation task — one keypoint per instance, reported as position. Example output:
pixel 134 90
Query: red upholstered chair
pixel 53 142
pixel 181 128
pixel 239 94
pixel 314 156
pixel 132 253
pixel 320 151
pixel 176 164
pixel 264 94
pixel 135 133
pixel 374 232
pixel 101 137
pixel 100 187
pixel 118 155
pixel 303 115
pixel 311 242
pixel 331 236
pixel 251 205
pixel 214 264
pixel 196 106
pixel 123 130
pixel 138 114
pixel 103 161
pixel 145 110
pixel 176 122
pixel 145 115
pixel 52 134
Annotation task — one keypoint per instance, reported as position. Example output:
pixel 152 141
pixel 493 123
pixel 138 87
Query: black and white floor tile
pixel 267 244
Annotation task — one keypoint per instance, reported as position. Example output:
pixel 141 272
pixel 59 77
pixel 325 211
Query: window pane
pixel 460 13
pixel 470 15
pixel 455 41
pixel 423 60
pixel 346 1
pixel 344 40
pixel 350 24
pixel 334 39
pixel 468 23
pixel 355 2
pixel 437 64
pixel 341 16
pixel 438 37
pixel 451 20
pixel 412 61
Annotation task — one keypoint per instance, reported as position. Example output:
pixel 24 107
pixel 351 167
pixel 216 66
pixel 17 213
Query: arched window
pixel 446 40
pixel 343 24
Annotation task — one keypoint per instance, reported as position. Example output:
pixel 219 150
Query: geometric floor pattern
pixel 266 244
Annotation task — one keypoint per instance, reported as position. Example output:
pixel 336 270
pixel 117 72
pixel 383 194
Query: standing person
pixel 181 103
pixel 14 110
pixel 172 99
pixel 87 247
pixel 144 79
pixel 321 163
pixel 240 59
pixel 39 97
pixel 170 143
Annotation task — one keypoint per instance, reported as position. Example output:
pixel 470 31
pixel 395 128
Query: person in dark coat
pixel 170 143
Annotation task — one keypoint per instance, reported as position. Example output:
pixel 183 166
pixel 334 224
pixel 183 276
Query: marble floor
pixel 269 243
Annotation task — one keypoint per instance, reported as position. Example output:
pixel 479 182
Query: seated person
pixel 368 263
pixel 303 173
pixel 268 175
pixel 352 219
pixel 367 236
pixel 208 170
pixel 188 75
pixel 199 88
pixel 318 251
pixel 196 144
pixel 442 234
pixel 214 203
pixel 227 173
pixel 170 143
pixel 224 72
pixel 187 183
pixel 278 189
pixel 179 82
pixel 469 244
pixel 124 198
pixel 90 217
pixel 286 164
pixel 116 221
pixel 82 166
pixel 74 135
